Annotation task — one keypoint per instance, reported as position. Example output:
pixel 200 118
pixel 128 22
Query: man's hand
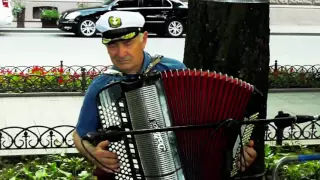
pixel 107 158
pixel 249 156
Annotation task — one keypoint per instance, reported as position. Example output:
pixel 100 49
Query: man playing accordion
pixel 125 40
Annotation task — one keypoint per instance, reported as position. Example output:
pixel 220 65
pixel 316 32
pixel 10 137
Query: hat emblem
pixel 114 22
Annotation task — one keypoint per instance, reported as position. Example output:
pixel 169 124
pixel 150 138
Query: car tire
pixel 86 28
pixel 174 28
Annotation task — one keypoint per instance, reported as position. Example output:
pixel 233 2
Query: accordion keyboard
pixel 112 114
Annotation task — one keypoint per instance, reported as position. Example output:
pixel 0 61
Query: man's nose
pixel 121 51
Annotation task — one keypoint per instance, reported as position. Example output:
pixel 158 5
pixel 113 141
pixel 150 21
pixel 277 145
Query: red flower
pixel 291 69
pixel 60 80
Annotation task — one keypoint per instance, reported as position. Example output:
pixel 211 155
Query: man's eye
pixel 111 45
pixel 127 42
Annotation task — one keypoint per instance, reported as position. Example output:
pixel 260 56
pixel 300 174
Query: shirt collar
pixel 146 62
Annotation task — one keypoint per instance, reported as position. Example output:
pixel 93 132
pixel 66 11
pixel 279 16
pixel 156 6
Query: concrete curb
pixel 295 33
pixel 294 90
pixel 52 30
pixel 31 30
pixel 66 94
pixel 42 94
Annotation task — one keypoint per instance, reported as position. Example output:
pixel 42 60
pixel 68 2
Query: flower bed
pixel 77 78
pixel 47 79
pixel 74 166
pixel 294 76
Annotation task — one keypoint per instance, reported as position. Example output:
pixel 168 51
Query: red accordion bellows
pixel 201 97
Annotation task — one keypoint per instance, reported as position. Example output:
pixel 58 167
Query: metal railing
pixel 77 78
pixel 43 137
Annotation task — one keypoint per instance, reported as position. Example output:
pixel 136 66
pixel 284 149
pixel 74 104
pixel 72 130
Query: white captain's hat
pixel 120 25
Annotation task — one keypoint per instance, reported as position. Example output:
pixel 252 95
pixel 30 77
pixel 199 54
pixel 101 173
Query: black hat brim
pixel 120 34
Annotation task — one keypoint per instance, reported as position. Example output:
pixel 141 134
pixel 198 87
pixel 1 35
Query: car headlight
pixel 72 15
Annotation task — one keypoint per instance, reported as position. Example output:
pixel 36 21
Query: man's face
pixel 127 55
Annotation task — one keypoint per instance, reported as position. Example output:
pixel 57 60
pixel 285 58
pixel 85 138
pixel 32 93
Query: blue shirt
pixel 88 119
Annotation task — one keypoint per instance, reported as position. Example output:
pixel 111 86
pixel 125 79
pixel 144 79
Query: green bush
pixel 75 167
pixel 49 14
pixel 47 167
pixel 292 171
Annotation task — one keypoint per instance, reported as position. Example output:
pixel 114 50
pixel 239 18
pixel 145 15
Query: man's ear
pixel 144 38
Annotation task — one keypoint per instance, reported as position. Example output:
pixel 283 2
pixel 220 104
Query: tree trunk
pixel 233 38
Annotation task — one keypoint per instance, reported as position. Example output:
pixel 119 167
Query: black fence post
pixel 276 66
pixel 281 126
pixel 83 79
pixel 61 64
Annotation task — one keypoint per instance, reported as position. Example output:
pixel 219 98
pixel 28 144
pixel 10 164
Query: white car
pixel 6 16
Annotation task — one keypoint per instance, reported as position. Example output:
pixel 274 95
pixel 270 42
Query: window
pixel 152 3
pixel 36 11
pixel 127 3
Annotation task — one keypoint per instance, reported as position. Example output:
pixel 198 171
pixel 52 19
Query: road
pixel 19 49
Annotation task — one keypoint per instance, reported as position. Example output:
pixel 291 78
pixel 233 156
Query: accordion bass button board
pixel 176 98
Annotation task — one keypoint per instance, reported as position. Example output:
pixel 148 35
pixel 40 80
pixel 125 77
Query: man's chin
pixel 125 67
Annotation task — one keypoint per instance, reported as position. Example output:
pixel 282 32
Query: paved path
pixel 55 111
pixel 46 49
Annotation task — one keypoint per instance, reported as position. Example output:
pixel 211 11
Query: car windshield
pixel 178 3
pixel 108 2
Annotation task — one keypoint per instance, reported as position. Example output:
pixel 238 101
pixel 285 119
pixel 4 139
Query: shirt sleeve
pixel 88 118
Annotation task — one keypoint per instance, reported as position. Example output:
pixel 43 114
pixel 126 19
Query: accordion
pixel 171 99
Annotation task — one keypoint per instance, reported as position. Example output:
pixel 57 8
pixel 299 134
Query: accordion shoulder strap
pixel 154 60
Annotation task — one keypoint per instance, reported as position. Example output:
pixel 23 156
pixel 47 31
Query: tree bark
pixel 233 38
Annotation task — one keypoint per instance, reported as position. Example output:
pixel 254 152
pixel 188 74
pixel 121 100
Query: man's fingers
pixel 109 170
pixel 106 154
pixel 103 145
pixel 112 163
pixel 244 161
pixel 251 143
pixel 250 152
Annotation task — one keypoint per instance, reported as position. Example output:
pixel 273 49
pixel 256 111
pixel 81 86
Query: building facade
pixel 33 7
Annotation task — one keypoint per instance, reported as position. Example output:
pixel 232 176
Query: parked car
pixel 163 17
pixel 6 16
